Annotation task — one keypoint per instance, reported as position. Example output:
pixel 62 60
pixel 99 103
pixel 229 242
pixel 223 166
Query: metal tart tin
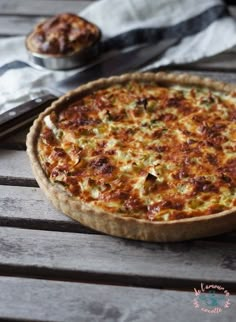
pixel 66 62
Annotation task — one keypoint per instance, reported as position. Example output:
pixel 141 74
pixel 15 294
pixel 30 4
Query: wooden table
pixel 53 269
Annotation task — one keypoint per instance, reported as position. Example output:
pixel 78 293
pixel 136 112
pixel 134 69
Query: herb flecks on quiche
pixel 143 150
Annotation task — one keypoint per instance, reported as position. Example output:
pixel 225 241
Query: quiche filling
pixel 145 151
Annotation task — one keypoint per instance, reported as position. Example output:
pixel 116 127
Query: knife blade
pixel 127 61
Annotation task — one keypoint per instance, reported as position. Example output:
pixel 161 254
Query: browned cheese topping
pixel 145 151
pixel 63 34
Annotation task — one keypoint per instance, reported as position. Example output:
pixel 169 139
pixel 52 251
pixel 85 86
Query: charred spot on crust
pixel 176 204
pixel 48 137
pixel 102 165
pixel 232 115
pixel 212 159
pixel 134 203
pixel 59 170
pixel 58 152
pixel 157 134
pixel 99 162
pixel 225 178
pixel 201 184
pixel 173 204
pixel 229 169
pixel 162 148
pixel 175 101
pixel 84 121
pixel 213 134
pixel 180 174
pixel 115 117
pixel 213 130
pixel 167 117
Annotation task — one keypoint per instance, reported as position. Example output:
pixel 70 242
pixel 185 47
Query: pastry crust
pixel 115 224
pixel 62 35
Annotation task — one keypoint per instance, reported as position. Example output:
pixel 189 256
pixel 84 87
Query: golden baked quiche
pixel 148 156
pixel 63 34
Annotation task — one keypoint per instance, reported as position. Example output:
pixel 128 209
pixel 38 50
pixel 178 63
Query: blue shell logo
pixel 211 298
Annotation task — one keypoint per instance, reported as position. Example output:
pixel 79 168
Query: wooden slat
pixel 27 13
pixel 63 301
pixel 220 76
pixel 225 62
pixel 15 141
pixel 16 25
pixel 41 7
pixel 15 164
pixel 27 207
pixel 27 203
pixel 114 260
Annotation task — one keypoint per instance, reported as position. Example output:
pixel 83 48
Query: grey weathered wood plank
pixel 27 203
pixel 15 164
pixel 104 258
pixel 225 61
pixel 220 76
pixel 64 301
pixel 27 207
pixel 17 25
pixel 41 7
pixel 18 17
pixel 15 141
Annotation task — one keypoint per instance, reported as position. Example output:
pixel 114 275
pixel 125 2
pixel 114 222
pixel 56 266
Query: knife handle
pixel 23 114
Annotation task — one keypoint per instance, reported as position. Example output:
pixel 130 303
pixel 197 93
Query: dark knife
pixel 127 61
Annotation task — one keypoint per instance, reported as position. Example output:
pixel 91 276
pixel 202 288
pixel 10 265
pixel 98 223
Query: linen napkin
pixel 204 30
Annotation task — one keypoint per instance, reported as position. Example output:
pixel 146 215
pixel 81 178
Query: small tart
pixel 63 34
pixel 147 156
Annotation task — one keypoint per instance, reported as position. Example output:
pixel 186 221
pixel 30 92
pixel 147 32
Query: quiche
pixel 63 34
pixel 146 156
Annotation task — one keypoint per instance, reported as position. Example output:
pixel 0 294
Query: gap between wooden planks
pixel 113 260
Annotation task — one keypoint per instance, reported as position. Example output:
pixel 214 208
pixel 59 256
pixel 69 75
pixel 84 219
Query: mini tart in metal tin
pixel 63 41
pixel 137 224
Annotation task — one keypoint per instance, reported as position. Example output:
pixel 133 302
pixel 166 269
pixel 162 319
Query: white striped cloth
pixel 205 29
